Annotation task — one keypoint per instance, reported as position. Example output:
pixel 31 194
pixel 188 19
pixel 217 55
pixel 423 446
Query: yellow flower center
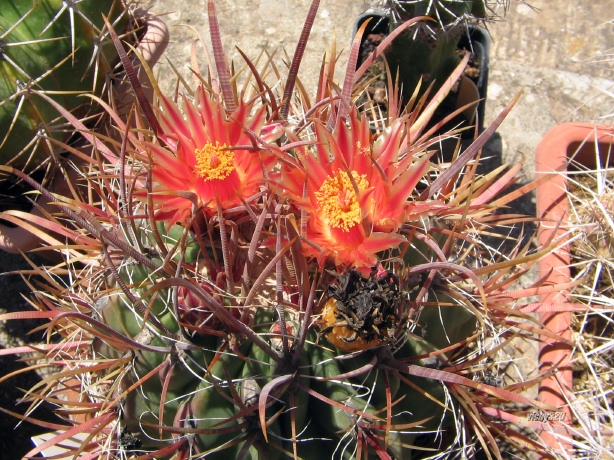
pixel 337 199
pixel 214 161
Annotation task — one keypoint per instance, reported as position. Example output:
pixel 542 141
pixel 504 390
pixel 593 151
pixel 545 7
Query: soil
pixel 15 438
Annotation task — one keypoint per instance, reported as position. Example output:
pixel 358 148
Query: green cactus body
pixel 180 376
pixel 298 409
pixel 124 317
pixel 141 413
pixel 211 411
pixel 250 386
pixel 140 280
pixel 429 402
pixel 423 398
pixel 375 380
pixel 41 50
pixel 446 322
pixel 214 408
pixel 331 418
pixel 422 60
pixel 205 382
pixel 172 238
pixel 119 316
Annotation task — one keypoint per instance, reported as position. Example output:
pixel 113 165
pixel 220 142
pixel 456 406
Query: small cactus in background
pixel 428 54
pixel 252 282
pixel 445 15
pixel 424 57
pixel 59 48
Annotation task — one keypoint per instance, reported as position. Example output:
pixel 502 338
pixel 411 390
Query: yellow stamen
pixel 214 161
pixel 338 202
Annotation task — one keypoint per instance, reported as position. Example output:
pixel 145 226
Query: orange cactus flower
pixel 356 191
pixel 207 156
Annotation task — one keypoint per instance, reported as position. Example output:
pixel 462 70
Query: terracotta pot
pixel 565 142
pixel 151 46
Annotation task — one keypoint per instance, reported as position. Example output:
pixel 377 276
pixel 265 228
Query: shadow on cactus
pixel 257 275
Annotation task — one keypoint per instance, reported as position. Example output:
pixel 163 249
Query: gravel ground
pixel 559 54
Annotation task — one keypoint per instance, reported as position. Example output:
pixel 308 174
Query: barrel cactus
pixel 59 48
pixel 249 285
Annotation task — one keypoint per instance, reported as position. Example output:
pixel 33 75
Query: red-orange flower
pixel 208 155
pixel 354 192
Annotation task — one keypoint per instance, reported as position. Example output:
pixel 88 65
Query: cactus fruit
pixel 61 49
pixel 246 286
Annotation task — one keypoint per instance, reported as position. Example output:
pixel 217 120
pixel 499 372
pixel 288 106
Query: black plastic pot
pixel 476 40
